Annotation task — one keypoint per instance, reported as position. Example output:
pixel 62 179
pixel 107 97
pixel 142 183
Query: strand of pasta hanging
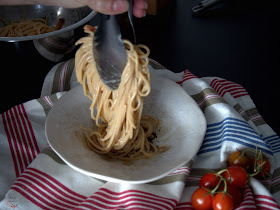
pixel 123 133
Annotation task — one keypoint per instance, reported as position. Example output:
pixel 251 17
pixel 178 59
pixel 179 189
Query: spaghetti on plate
pixel 123 132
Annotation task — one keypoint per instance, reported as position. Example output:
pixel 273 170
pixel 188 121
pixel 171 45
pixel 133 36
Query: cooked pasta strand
pixel 123 133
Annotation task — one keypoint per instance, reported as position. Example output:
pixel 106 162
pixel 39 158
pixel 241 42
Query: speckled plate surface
pixel 183 128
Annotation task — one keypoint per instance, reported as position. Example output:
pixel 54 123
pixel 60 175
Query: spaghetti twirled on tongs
pixel 123 133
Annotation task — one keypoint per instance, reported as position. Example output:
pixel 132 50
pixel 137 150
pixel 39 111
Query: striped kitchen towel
pixel 34 177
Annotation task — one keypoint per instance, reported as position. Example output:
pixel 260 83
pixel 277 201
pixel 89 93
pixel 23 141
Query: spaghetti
pixel 29 27
pixel 123 132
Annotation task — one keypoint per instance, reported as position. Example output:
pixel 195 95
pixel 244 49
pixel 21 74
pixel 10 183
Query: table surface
pixel 235 40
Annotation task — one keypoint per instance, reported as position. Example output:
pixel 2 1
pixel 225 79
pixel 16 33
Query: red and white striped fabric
pixel 21 138
pixel 34 177
pixel 222 86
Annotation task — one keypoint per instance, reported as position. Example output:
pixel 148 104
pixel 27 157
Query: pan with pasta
pixel 32 22
pixel 28 27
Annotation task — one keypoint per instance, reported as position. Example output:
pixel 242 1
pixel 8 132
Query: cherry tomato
pixel 235 193
pixel 237 176
pixel 222 201
pixel 209 181
pixel 201 199
pixel 264 170
pixel 239 159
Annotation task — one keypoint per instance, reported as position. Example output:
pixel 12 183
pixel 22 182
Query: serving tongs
pixel 204 5
pixel 109 51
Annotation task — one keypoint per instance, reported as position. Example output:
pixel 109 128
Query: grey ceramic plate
pixel 183 128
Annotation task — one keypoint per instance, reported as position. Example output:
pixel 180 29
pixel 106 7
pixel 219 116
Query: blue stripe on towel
pixel 232 130
pixel 274 142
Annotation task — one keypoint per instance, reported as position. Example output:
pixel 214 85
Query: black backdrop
pixel 236 40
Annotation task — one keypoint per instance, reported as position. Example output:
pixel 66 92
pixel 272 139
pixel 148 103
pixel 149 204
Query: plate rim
pixel 122 180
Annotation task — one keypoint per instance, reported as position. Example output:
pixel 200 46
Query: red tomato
pixel 201 199
pixel 264 170
pixel 239 159
pixel 237 175
pixel 209 181
pixel 222 201
pixel 235 193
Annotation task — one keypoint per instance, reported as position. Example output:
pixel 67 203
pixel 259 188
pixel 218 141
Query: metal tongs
pixel 204 5
pixel 109 52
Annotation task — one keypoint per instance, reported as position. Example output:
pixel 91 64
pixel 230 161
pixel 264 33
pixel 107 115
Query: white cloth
pixel 34 177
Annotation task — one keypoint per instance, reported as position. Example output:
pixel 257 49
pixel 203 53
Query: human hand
pixel 113 7
pixel 108 7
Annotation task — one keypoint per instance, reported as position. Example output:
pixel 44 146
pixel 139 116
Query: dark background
pixel 236 40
